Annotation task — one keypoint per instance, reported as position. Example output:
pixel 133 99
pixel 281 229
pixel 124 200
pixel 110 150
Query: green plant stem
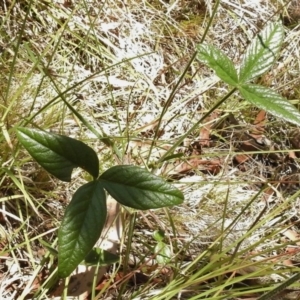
pixel 128 249
pixel 168 103
pixel 210 21
pixel 180 140
pixel 174 91
pixel 175 243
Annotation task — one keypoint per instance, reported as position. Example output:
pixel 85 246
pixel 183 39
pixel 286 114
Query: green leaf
pixel 58 154
pixel 158 235
pixel 81 227
pixel 163 253
pixel 100 257
pixel 271 102
pixel 137 188
pixel 219 62
pixel 262 52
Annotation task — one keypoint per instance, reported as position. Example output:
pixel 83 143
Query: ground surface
pixel 118 64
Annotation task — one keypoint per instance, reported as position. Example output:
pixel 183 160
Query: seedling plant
pixel 259 57
pixel 85 216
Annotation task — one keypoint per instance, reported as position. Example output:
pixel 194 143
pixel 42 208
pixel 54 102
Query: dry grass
pixel 117 63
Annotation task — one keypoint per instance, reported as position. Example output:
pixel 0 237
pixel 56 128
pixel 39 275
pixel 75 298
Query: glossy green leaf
pixel 271 102
pixel 219 62
pixel 100 257
pixel 137 188
pixel 262 52
pixel 81 227
pixel 58 154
